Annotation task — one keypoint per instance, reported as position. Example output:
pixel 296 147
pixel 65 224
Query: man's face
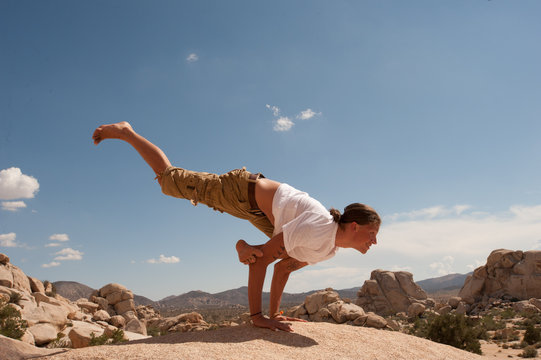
pixel 366 236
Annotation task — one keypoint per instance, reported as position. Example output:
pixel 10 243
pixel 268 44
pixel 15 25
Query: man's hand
pixel 247 253
pixel 263 322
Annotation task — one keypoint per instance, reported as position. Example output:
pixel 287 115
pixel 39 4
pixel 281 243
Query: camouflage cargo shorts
pixel 225 193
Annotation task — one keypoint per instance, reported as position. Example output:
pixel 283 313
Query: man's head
pixel 360 225
pixel 359 213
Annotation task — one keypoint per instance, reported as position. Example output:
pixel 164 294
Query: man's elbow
pixel 281 269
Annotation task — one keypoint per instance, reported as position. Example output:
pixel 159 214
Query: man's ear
pixel 353 225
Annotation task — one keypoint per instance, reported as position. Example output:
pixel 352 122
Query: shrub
pixel 59 342
pixel 508 314
pixel 507 334
pixel 529 352
pixel 155 331
pixel 455 330
pixel 51 293
pixel 490 324
pixel 116 337
pixel 15 297
pixel 532 334
pixel 11 323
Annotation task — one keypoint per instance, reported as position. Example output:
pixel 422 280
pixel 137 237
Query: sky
pixel 429 111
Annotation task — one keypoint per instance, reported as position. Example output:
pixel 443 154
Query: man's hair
pixel 360 213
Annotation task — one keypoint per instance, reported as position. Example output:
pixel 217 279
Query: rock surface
pixel 18 350
pixel 326 306
pixel 47 314
pixel 308 341
pixel 507 273
pixel 389 292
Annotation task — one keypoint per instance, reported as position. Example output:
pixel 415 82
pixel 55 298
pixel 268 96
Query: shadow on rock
pixel 237 334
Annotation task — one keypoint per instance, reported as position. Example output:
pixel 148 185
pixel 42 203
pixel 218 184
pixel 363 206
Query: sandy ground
pixel 493 351
pixel 309 341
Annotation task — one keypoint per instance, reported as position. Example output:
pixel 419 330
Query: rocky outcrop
pixel 48 314
pixel 187 322
pixel 388 293
pixel 507 273
pixel 326 306
pixel 18 350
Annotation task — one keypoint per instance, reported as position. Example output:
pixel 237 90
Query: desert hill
pixel 198 299
pixel 447 282
pixel 309 341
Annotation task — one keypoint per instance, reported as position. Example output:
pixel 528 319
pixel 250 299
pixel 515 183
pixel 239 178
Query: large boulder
pixel 4 259
pixel 314 302
pixel 507 273
pixel 136 326
pixel 36 285
pixel 342 312
pixel 57 316
pixel 6 277
pixel 20 280
pixel 81 333
pixel 43 333
pixel 125 306
pixel 389 292
pixel 18 350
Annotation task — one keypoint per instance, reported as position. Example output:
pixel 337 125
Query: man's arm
pixel 282 269
pixel 272 250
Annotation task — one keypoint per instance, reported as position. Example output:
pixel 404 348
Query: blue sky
pixel 429 111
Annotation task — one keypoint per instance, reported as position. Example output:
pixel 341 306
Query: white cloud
pixel 307 114
pixel 476 264
pixel 51 264
pixel 400 268
pixel 164 260
pixel 321 277
pixel 439 231
pixel 275 109
pixel 283 124
pixel 69 254
pixel 8 240
pixel 443 267
pixel 15 185
pixel 59 237
pixel 192 57
pixel 13 205
pixel 429 213
pixel 53 245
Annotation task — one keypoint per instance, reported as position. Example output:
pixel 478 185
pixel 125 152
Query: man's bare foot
pixel 247 253
pixel 112 131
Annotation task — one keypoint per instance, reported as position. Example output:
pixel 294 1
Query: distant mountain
pixel 239 296
pixel 443 283
pixel 141 300
pixel 203 300
pixel 195 299
pixel 72 290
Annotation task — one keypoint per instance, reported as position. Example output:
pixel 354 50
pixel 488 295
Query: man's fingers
pixel 258 253
pixel 286 327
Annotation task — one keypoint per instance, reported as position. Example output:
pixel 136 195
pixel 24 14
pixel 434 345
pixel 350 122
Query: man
pixel 300 229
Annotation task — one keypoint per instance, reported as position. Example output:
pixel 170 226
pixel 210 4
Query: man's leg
pixel 152 154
